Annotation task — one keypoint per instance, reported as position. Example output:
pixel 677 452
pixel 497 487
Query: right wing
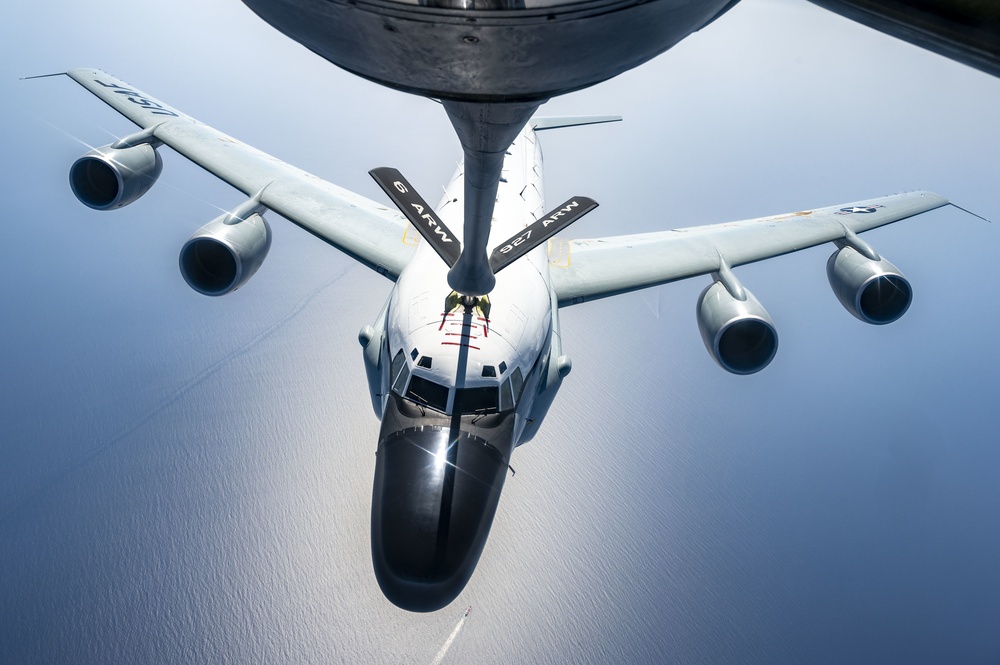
pixel 583 270
pixel 367 231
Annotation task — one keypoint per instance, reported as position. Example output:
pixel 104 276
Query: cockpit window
pixel 397 363
pixel 503 367
pixel 489 370
pixel 425 361
pixel 476 400
pixel 425 391
pixel 414 353
pixel 399 372
pixel 506 397
pixel 517 382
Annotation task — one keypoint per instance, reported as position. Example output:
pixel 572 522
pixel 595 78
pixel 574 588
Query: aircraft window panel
pixel 476 400
pixel 400 382
pixel 506 396
pixel 489 371
pixel 397 364
pixel 414 353
pixel 425 391
pixel 535 369
pixel 517 382
pixel 425 361
pixel 503 367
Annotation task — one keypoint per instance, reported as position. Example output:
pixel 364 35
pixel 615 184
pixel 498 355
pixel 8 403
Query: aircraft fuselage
pixel 458 383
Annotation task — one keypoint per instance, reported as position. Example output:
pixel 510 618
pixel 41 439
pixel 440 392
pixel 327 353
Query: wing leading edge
pixel 583 270
pixel 363 229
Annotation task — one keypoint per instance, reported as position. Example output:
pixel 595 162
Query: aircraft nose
pixel 433 503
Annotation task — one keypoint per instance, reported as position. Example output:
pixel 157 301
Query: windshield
pixel 477 400
pixel 425 391
pixel 495 398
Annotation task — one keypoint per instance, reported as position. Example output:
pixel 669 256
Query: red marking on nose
pixel 468 346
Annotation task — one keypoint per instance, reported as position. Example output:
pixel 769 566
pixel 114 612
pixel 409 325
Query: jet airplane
pixel 459 381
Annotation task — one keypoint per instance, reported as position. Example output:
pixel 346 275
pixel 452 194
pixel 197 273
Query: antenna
pixel 951 203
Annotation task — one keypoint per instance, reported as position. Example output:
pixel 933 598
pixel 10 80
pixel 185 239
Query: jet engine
pixel 114 176
pixel 872 289
pixel 222 255
pixel 738 333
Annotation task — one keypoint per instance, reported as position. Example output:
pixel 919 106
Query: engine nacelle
pixel 109 177
pixel 873 291
pixel 739 334
pixel 222 255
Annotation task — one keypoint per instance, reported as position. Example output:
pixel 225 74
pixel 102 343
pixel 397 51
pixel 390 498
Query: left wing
pixel 365 230
pixel 584 270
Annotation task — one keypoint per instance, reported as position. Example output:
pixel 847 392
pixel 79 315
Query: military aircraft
pixel 457 380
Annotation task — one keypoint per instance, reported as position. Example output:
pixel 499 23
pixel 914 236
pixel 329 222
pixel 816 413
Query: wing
pixel 584 270
pixel 365 230
pixel 967 32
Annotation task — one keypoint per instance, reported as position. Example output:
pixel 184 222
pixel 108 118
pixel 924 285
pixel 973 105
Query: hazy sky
pixel 187 478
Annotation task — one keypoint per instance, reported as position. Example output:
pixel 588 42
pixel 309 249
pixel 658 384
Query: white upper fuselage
pixel 506 337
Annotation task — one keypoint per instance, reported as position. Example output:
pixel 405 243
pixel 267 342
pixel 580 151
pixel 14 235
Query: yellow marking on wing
pixel 410 240
pixel 559 253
